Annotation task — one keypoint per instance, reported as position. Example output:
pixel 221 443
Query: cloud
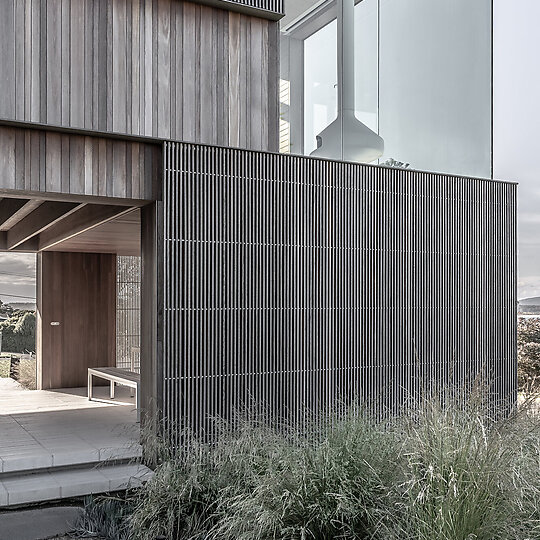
pixel 17 276
pixel 528 286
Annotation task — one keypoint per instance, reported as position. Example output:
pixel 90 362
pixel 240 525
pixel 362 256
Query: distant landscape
pixel 22 306
pixel 529 306
pixel 17 327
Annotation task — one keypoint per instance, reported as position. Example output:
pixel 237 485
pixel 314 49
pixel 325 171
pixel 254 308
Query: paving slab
pixel 39 523
pixel 41 429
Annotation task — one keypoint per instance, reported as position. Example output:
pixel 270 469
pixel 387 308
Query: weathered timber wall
pixel 161 68
pixel 64 163
pixel 294 283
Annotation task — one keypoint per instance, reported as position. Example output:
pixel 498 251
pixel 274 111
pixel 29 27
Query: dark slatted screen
pixel 274 8
pixel 293 282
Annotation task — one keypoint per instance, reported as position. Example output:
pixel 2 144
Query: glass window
pixel 320 80
pixel 435 84
pixel 423 81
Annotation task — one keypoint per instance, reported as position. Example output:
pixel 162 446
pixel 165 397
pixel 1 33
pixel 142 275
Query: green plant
pixel 190 493
pixel 105 517
pixel 458 474
pixel 391 162
pixel 528 352
pixel 19 332
pixel 445 468
pixel 333 485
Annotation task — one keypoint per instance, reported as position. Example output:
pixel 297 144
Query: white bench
pixel 116 376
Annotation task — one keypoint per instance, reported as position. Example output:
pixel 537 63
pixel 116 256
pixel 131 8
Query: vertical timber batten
pixel 294 283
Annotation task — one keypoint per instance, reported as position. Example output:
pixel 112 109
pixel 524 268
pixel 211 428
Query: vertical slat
pixel 77 96
pixel 165 70
pixel 38 56
pixel 8 53
pixel 53 88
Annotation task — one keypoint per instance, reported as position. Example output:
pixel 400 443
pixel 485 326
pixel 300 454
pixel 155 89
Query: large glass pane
pixel 435 84
pixel 423 81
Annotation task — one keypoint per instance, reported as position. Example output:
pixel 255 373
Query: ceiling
pixel 120 235
pixel 32 225
pixel 295 8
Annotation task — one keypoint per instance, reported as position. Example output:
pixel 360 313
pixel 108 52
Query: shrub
pixel 19 333
pixel 528 352
pixel 105 517
pixel 449 472
pixel 458 476
pixel 190 494
pixel 335 486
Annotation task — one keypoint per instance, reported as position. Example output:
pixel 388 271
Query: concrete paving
pixel 15 399
pixel 40 429
pixel 39 523
pixel 57 444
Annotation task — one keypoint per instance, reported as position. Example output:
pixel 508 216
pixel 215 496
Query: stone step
pixel 32 460
pixel 39 523
pixel 59 483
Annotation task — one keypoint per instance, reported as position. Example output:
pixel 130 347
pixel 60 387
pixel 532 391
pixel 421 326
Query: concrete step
pixel 62 483
pixel 38 523
pixel 33 460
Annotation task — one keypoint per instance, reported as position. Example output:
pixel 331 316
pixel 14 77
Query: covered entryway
pixel 79 211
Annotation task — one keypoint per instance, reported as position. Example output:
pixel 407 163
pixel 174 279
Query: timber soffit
pixel 36 225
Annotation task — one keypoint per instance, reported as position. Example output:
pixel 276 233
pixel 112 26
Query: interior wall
pixel 76 323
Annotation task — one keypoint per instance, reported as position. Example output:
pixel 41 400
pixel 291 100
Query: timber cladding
pixel 161 68
pixel 291 283
pixel 64 163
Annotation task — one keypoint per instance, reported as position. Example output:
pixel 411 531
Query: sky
pixel 17 277
pixel 516 125
pixel 516 149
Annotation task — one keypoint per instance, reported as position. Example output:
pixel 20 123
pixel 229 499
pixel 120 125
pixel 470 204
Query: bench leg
pixel 112 389
pixel 89 386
